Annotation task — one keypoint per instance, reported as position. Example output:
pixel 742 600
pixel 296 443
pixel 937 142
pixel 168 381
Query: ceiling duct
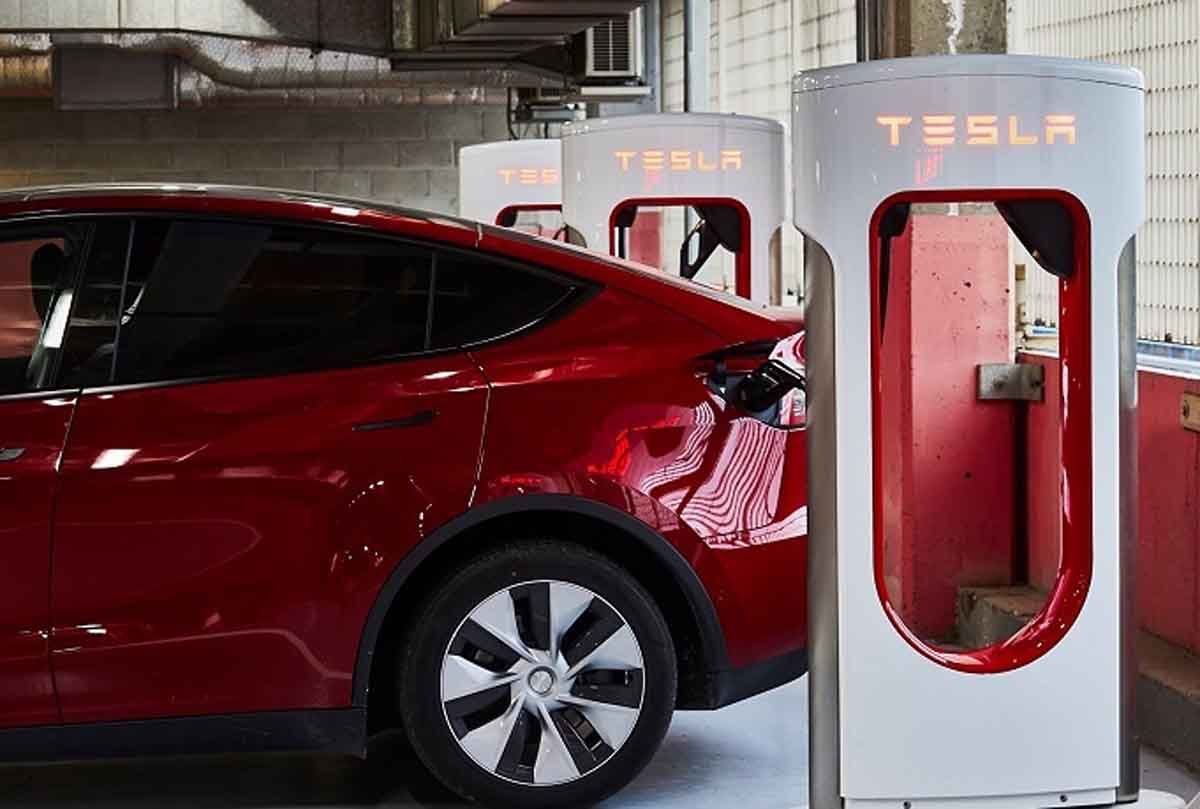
pixel 252 65
pixel 109 78
pixel 513 26
pixel 217 71
pixel 310 48
pixel 25 76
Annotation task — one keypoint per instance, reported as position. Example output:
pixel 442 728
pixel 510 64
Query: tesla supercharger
pixel 730 168
pixel 1043 718
pixel 498 181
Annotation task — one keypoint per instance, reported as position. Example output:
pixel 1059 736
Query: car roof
pixel 725 312
pixel 165 191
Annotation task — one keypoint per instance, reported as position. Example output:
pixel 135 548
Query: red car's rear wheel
pixel 539 675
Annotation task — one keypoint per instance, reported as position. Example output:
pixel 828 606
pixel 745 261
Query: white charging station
pixel 728 167
pixel 1044 718
pixel 497 181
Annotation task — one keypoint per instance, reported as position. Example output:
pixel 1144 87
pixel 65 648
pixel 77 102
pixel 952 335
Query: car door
pixel 275 436
pixel 38 262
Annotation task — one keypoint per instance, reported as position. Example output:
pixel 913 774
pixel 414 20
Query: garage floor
pixel 750 755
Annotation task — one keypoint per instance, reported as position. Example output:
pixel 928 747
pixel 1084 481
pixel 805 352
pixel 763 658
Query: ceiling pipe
pixel 197 89
pixel 25 76
pixel 863 30
pixel 218 71
pixel 255 65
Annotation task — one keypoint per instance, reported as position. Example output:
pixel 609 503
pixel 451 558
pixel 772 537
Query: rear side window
pixel 88 351
pixel 478 298
pixel 216 298
pixel 37 284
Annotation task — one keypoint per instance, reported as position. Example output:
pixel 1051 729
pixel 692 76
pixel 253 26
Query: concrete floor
pixel 752 755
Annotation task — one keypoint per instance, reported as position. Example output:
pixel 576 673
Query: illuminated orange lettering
pixel 654 160
pixel 1060 126
pixel 982 130
pixel 507 174
pixel 893 123
pixel 529 176
pixel 681 160
pixel 625 158
pixel 1014 133
pixel 549 176
pixel 731 159
pixel 938 130
pixel 700 164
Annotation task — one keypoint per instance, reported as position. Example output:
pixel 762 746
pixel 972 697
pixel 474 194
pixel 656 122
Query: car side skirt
pixel 734 685
pixel 320 731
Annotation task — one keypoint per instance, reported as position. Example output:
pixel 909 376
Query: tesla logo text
pixel 980 130
pixel 529 176
pixel 656 161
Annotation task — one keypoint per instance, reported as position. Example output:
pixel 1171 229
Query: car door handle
pixel 415 420
pixel 10 453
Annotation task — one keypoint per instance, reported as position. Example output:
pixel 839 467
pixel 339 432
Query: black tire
pixel 438 623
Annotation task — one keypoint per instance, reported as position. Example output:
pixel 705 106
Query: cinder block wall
pixel 405 154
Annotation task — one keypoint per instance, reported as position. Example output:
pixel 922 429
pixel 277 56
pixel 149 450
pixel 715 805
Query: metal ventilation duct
pixel 325 45
pixel 380 28
pixel 220 71
pixel 522 24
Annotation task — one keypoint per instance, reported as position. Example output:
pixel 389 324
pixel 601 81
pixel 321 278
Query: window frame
pixel 576 292
pixel 12 230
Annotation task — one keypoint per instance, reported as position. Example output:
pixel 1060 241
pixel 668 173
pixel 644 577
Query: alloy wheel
pixel 542 683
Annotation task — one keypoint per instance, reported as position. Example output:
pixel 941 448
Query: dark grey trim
pixel 325 731
pixel 415 420
pixel 1129 785
pixel 735 685
pixel 824 735
pixel 121 304
pixel 712 637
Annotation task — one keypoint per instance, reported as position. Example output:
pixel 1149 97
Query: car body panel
pixel 37 427
pixel 219 545
pixel 224 546
pixel 609 405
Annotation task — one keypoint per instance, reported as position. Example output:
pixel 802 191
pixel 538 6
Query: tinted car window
pixel 88 350
pixel 37 281
pixel 477 298
pixel 208 298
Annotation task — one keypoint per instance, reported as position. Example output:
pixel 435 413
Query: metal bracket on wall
pixel 1022 382
pixel 1189 412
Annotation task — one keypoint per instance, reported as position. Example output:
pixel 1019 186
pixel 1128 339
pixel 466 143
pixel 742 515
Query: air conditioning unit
pixel 613 50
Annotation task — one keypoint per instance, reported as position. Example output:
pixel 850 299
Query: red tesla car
pixel 279 471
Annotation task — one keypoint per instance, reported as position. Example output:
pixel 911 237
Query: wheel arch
pixel 453 541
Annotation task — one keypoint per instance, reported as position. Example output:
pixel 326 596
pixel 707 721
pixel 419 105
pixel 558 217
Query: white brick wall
pixel 402 154
pixel 1162 39
pixel 755 48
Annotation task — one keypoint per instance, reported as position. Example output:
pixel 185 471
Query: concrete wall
pixel 1168 556
pixel 403 154
pixel 948 476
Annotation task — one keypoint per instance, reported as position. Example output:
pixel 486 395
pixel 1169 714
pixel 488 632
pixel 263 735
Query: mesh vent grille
pixel 611 46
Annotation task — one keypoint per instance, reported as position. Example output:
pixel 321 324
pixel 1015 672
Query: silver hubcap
pixel 542 683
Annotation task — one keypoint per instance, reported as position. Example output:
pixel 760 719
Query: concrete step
pixel 1168 691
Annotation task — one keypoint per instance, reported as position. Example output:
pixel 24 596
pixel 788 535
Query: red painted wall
pixel 1168 563
pixel 1168 511
pixel 1043 493
pixel 949 496
pixel 645 241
